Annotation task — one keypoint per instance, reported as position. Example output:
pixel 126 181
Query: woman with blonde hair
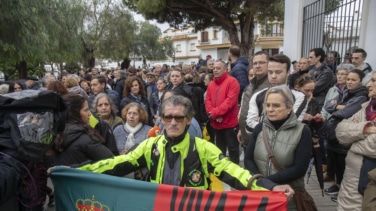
pixel 72 86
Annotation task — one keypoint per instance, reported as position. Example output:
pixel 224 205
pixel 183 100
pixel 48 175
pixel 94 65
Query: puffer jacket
pixel 332 93
pixel 353 100
pixel 350 132
pixel 254 86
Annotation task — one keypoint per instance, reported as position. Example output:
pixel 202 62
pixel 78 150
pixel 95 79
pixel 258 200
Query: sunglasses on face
pixel 177 118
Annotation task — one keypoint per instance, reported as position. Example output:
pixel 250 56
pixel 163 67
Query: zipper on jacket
pixel 161 175
pixel 216 97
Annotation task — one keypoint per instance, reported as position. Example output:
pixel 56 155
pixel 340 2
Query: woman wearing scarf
pixel 359 131
pixel 134 131
pixel 134 91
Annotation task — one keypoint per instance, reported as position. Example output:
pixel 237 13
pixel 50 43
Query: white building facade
pixel 190 45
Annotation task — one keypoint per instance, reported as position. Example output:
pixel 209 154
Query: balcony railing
pixel 273 29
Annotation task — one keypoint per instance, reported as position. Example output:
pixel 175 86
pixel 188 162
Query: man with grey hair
pixel 32 82
pixel 4 88
pixel 210 65
pixel 221 105
pixel 176 158
pixel 187 69
pixel 47 79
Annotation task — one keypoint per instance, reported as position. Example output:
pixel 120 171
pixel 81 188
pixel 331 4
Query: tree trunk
pixel 22 69
pixel 246 41
pixel 88 55
pixel 61 70
pixel 144 61
pixel 125 64
pixel 247 44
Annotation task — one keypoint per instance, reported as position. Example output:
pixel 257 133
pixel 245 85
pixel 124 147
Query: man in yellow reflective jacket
pixel 175 158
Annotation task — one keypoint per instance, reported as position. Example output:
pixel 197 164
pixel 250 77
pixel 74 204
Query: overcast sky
pixel 139 17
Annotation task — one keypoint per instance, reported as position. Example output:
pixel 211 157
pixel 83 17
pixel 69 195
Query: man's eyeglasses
pixel 177 118
pixel 260 63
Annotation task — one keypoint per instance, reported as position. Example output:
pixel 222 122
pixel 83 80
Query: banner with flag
pixel 82 190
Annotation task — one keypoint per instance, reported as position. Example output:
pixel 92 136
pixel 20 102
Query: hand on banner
pixel 289 192
pixel 49 170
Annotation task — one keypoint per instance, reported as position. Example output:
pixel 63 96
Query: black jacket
pixel 324 80
pixel 11 173
pixel 292 78
pixel 352 99
pixel 80 147
pixel 104 129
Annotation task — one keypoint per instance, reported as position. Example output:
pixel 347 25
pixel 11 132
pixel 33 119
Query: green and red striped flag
pixel 82 190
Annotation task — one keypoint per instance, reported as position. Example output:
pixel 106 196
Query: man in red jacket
pixel 222 107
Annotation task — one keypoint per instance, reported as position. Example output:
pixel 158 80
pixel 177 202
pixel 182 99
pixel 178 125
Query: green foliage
pixel 331 6
pixel 11 73
pixel 146 43
pixel 33 32
pixel 167 47
pixel 119 36
pixel 205 13
pixel 39 30
pixel 273 10
pixel 22 33
pixel 109 30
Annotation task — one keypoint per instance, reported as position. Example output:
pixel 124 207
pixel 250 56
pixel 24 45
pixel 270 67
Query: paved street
pixel 323 203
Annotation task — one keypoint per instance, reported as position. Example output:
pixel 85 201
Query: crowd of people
pixel 270 108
